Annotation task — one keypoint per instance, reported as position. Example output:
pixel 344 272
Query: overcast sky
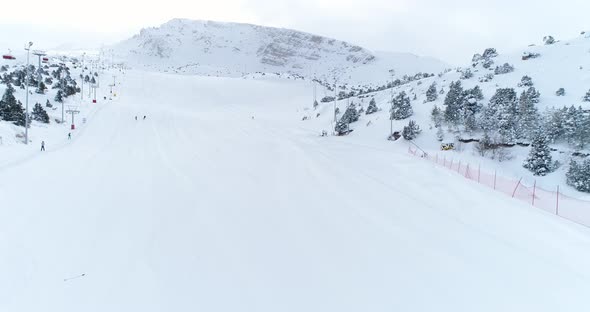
pixel 451 30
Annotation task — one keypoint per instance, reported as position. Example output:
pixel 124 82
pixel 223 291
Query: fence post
pixel 517 185
pixel 459 168
pixel 437 158
pixel 478 173
pixel 534 192
pixel 557 202
pixel 451 166
pixel 445 161
pixel 467 172
pixel 495 174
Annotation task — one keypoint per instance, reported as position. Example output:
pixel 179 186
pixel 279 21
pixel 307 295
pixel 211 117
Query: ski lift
pixel 8 56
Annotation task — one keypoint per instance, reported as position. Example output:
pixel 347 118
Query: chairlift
pixel 8 56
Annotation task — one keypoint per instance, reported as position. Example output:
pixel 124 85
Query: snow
pixel 211 48
pixel 224 200
pixel 563 64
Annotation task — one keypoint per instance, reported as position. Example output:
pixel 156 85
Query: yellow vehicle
pixel 447 146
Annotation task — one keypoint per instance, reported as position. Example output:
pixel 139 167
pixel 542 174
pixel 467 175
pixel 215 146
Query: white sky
pixel 451 30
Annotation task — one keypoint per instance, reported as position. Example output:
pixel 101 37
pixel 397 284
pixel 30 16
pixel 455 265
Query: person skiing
pixel 42 146
pixel 69 136
pixel 135 117
pixel 143 117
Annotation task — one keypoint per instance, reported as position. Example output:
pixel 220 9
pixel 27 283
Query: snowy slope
pixel 203 208
pixel 232 49
pixel 12 136
pixel 565 64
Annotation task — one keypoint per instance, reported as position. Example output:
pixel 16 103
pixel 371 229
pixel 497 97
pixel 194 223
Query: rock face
pixel 206 47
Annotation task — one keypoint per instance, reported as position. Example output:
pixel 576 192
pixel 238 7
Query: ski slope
pixel 224 200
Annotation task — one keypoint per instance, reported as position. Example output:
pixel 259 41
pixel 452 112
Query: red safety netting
pixel 552 201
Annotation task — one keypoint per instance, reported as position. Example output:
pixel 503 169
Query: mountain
pixel 547 66
pixel 233 49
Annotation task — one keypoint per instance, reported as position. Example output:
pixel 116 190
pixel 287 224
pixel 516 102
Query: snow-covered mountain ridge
pixel 234 49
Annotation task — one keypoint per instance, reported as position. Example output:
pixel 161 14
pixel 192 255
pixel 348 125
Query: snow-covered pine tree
pixel 351 114
pixel 372 108
pixel 41 87
pixel 48 104
pixel 502 114
pixel 59 96
pixel 587 97
pixel 578 175
pixel 7 102
pixel 525 81
pixel 39 114
pixel 528 117
pixel 315 104
pixel 539 161
pixel 571 122
pixel 475 93
pixel 401 107
pixel 454 103
pixel 583 133
pixel 437 116
pixel 431 93
pixel 411 131
pixel 341 128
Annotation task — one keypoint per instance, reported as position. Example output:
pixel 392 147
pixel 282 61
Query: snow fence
pixel 552 201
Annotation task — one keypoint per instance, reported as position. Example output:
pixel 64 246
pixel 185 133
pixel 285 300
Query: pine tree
pixel 578 175
pixel 431 93
pixel 341 128
pixel 539 161
pixel 475 93
pixel 454 102
pixel 372 107
pixel 587 97
pixel 48 104
pixel 525 81
pixel 8 101
pixel 437 116
pixel 350 115
pixel 528 121
pixel 501 115
pixel 402 108
pixel 583 132
pixel 554 126
pixel 411 131
pixel 571 123
pixel 59 96
pixel 41 88
pixel 315 104
pixel 39 114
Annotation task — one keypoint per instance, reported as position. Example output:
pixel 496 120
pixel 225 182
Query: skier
pixel 143 117
pixel 135 117
pixel 42 146
pixel 69 136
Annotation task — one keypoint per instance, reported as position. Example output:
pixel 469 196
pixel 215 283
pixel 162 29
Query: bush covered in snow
pixel 504 69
